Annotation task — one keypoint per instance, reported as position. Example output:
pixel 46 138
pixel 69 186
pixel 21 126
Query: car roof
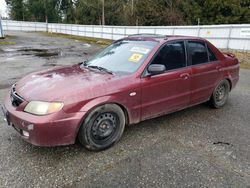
pixel 164 38
pixel 159 37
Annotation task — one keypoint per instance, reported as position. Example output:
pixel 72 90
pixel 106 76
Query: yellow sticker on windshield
pixel 135 58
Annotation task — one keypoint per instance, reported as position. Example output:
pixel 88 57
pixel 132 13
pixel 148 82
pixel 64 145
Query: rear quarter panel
pixel 229 65
pixel 231 69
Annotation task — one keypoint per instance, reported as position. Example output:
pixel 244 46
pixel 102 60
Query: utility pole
pixel 46 14
pixel 59 10
pixel 103 12
pixel 132 7
pixel 132 12
pixel 1 28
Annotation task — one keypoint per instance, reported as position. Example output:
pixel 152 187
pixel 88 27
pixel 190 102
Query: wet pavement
pixel 196 147
pixel 34 51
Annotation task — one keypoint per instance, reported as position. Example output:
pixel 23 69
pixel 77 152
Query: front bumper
pixel 50 130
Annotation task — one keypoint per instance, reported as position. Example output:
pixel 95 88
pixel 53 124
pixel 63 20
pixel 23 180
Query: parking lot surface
pixel 196 147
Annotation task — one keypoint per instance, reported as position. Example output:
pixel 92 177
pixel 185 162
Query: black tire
pixel 220 94
pixel 102 128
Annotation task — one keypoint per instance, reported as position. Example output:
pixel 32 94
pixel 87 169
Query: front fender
pixel 89 106
pixel 96 102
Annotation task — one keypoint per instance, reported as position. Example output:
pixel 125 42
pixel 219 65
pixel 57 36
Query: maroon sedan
pixel 136 78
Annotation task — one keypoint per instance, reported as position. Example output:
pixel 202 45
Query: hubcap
pixel 104 126
pixel 220 93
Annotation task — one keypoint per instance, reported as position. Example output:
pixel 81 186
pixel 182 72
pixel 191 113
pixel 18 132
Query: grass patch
pixel 245 66
pixel 244 58
pixel 6 40
pixel 89 40
pixel 7 43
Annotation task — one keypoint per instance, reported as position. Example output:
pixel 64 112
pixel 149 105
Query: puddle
pixel 32 51
pixel 20 53
pixel 87 45
pixel 49 65
pixel 222 143
pixel 40 52
pixel 47 54
pixel 9 50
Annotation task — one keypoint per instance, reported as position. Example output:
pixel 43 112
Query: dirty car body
pixel 144 75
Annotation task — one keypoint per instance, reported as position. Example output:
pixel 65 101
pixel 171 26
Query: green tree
pixel 132 12
pixel 33 10
pixel 40 10
pixel 216 11
pixel 68 11
pixel 159 12
pixel 17 9
pixel 192 11
pixel 225 12
pixel 88 12
pixel 114 12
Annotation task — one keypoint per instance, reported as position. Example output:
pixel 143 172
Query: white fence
pixel 235 37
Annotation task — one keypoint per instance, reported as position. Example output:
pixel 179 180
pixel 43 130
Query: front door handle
pixel 185 76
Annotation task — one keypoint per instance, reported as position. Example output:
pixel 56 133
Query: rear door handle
pixel 185 76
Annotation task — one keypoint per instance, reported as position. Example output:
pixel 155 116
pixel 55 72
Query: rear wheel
pixel 102 128
pixel 220 94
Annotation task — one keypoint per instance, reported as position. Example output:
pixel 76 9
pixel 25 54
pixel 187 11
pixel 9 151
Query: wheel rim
pixel 104 127
pixel 221 93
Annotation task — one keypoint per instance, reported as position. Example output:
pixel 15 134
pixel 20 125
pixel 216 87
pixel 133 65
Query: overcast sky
pixel 3 8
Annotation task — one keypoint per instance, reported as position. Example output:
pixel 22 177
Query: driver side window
pixel 172 55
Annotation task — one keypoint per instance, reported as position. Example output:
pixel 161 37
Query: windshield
pixel 122 57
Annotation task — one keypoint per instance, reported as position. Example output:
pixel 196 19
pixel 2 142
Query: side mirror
pixel 156 69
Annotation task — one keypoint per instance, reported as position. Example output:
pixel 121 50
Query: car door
pixel 205 71
pixel 168 91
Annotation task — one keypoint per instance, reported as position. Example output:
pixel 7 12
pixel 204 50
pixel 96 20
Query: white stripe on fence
pixel 236 37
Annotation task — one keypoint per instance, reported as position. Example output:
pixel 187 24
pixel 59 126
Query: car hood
pixel 66 83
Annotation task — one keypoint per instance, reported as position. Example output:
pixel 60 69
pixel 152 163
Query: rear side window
pixel 172 56
pixel 211 55
pixel 197 52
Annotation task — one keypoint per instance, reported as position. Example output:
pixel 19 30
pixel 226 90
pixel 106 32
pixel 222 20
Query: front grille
pixel 16 100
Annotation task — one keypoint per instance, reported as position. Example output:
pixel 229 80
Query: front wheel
pixel 220 94
pixel 102 128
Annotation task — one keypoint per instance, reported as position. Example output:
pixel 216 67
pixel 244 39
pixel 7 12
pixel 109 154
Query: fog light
pixel 26 134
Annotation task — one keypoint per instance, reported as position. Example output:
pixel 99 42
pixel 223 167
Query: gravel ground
pixel 196 147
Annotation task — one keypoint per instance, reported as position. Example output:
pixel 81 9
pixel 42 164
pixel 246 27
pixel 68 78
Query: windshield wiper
pixel 99 68
pixel 85 64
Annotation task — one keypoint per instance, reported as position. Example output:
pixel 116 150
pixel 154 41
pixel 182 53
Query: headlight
pixel 43 108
